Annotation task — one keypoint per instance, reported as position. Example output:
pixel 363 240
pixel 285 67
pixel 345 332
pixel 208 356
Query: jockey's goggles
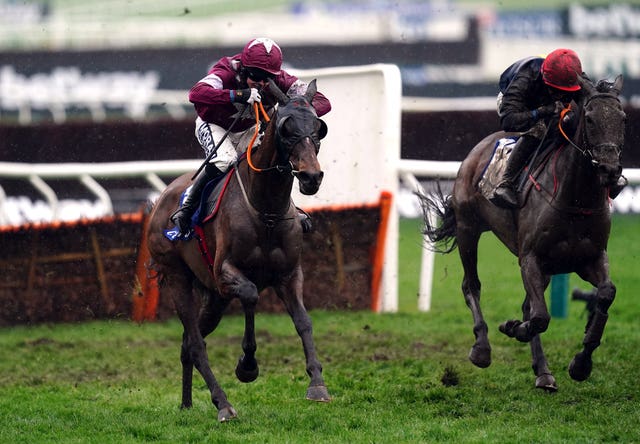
pixel 258 75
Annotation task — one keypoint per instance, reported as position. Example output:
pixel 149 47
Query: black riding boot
pixel 505 195
pixel 305 220
pixel 618 187
pixel 182 217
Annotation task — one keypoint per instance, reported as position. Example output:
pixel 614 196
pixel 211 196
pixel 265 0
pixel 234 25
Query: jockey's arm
pixel 292 86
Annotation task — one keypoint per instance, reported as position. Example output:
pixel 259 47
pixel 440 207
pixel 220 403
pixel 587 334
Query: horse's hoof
pixel 227 414
pixel 580 367
pixel 547 382
pixel 246 372
pixel 538 325
pixel 508 327
pixel 318 393
pixel 480 356
pixel 515 329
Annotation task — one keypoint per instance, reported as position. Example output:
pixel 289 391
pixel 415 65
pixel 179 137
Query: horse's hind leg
pixel 212 310
pixel 480 354
pixel 291 294
pixel 581 365
pixel 193 351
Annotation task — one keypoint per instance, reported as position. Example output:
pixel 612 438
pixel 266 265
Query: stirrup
pixel 183 226
pixel 504 196
pixel 305 220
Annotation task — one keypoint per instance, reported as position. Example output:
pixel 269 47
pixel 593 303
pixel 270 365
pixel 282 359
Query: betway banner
pixel 615 20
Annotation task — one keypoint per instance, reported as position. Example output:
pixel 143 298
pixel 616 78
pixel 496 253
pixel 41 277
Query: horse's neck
pixel 268 191
pixel 578 184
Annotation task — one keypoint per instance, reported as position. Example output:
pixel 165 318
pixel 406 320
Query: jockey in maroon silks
pixel 230 85
pixel 533 90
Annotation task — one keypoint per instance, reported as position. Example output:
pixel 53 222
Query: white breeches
pixel 209 134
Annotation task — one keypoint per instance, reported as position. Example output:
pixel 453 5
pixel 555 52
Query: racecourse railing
pixel 410 172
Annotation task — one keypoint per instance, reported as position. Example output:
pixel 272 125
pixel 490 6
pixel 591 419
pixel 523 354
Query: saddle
pixel 493 170
pixel 209 203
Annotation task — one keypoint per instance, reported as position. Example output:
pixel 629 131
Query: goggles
pixel 258 75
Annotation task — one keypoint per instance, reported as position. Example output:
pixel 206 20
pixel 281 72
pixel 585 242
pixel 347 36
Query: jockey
pixel 532 91
pixel 230 85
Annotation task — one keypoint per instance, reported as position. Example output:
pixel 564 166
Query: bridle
pixel 283 148
pixel 588 153
pixel 283 152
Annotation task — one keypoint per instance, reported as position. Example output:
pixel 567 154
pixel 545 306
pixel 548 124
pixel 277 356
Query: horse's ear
pixel 586 85
pixel 277 93
pixel 311 91
pixel 617 85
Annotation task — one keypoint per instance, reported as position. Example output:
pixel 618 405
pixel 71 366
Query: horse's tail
pixel 441 229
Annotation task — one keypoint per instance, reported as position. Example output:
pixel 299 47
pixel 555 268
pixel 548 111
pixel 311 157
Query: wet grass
pixel 394 377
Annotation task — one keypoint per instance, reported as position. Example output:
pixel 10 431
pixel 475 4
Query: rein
pixel 550 196
pixel 584 151
pixel 268 219
pixel 258 109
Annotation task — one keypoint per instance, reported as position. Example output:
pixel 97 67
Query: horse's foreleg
pixel 535 283
pixel 193 351
pixel 291 295
pixel 544 378
pixel 232 283
pixel 480 353
pixel 581 365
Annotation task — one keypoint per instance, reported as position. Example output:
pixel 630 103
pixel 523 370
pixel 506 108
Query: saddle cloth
pixel 495 167
pixel 208 207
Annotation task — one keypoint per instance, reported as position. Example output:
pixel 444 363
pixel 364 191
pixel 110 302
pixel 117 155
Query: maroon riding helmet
pixel 561 69
pixel 262 53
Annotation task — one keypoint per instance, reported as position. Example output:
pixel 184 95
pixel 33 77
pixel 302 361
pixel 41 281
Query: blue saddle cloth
pixel 209 198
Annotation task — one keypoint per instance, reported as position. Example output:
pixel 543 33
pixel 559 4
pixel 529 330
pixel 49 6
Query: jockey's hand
pixel 559 106
pixel 550 109
pixel 248 96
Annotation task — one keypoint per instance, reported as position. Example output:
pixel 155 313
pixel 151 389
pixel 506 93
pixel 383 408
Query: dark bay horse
pixel 562 227
pixel 255 242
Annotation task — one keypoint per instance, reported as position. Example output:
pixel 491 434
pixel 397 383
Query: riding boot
pixel 618 187
pixel 182 216
pixel 505 194
pixel 305 220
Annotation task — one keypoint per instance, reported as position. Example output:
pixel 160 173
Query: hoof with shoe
pixel 580 367
pixel 227 414
pixel 480 356
pixel 247 371
pixel 318 393
pixel 547 382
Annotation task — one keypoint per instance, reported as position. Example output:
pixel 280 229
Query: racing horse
pixel 563 226
pixel 254 242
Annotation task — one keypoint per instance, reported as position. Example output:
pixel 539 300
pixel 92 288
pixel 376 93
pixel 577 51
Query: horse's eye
pixel 288 128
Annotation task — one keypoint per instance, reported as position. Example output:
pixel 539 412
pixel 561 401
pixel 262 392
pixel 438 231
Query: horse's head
pixel 298 135
pixel 603 127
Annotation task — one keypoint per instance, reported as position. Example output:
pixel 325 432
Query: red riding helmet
pixel 561 68
pixel 262 53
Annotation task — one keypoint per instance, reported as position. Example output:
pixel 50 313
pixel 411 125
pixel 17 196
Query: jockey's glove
pixel 248 96
pixel 550 109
